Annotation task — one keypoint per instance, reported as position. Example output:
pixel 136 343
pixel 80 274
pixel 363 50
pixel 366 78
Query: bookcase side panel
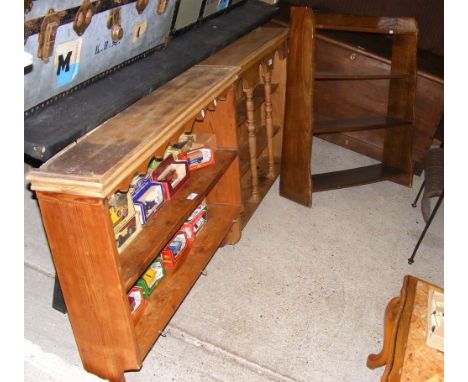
pixel 81 241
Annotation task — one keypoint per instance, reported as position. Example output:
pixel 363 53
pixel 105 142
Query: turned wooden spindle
pixel 269 120
pixel 255 197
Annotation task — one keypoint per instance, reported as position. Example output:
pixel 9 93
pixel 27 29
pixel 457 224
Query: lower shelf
pixel 167 297
pixel 358 124
pixel 353 177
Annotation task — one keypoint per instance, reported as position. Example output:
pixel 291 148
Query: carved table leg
pixel 269 121
pixel 391 316
pixel 119 377
pixel 252 142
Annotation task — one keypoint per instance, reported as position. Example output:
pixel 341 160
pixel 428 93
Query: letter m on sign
pixel 67 62
pixel 64 63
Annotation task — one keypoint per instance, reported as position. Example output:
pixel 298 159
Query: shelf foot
pixel 117 378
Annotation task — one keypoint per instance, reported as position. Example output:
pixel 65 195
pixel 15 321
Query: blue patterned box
pixel 147 197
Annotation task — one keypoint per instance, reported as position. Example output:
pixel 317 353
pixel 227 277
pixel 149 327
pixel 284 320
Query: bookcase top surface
pixel 246 50
pixel 104 157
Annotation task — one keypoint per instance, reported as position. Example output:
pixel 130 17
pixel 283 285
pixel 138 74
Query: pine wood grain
pixel 81 240
pixel 94 165
pixel 247 50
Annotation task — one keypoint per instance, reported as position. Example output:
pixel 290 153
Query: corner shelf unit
pixel 73 190
pixel 296 182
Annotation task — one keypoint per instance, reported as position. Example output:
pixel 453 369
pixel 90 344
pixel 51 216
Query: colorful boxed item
pixel 147 197
pixel 120 206
pixel 126 231
pixel 152 277
pixel 136 301
pixel 172 175
pixel 175 149
pixel 175 250
pixel 155 162
pixel 196 221
pixel 198 158
pixel 123 217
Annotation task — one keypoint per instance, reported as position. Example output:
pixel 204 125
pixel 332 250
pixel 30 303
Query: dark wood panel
pixel 295 180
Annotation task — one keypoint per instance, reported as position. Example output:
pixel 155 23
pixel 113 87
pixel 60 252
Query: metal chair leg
pixel 415 203
pixel 411 259
pixel 58 303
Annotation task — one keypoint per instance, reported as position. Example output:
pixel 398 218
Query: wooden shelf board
pixel 262 143
pixel 336 76
pixel 172 290
pixel 357 124
pixel 164 224
pixel 353 177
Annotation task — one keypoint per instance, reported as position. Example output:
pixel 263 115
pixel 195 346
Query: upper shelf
pixel 335 76
pixel 369 24
pixel 101 160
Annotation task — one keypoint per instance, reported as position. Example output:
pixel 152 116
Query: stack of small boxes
pixel 165 176
pixel 180 244
pixel 172 255
pixel 147 193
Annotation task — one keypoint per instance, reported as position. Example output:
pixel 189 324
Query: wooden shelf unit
pixel 296 183
pixel 73 189
pixel 261 57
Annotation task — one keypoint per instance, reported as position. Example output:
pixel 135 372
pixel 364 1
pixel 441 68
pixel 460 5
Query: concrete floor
pixel 300 298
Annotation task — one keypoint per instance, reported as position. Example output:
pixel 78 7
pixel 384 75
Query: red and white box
pixel 176 250
pixel 196 221
pixel 198 158
pixel 172 175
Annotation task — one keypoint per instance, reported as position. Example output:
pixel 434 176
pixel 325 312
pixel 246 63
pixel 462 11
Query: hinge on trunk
pixel 113 23
pixel 46 38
